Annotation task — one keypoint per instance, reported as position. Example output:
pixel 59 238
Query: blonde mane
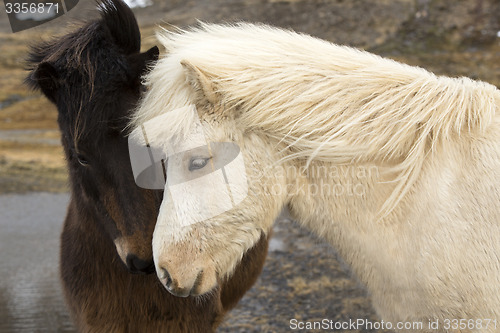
pixel 323 101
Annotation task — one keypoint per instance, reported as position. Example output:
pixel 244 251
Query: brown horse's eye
pixel 82 160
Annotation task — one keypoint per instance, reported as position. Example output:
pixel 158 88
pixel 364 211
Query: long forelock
pixel 328 102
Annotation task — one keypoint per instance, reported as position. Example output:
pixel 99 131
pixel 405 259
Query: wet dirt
pixel 30 292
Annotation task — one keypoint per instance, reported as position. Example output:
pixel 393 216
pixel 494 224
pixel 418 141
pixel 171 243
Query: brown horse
pixel 93 77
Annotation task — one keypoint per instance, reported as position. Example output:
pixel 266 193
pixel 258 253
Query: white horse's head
pixel 217 203
pixel 230 117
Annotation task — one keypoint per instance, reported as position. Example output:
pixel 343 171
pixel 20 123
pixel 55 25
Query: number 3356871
pixel 33 8
pixel 462 324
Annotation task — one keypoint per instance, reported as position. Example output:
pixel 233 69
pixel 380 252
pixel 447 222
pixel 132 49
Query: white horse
pixel 397 168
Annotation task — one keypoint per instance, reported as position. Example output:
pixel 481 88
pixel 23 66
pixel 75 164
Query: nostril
pixel 138 266
pixel 167 278
pixel 179 288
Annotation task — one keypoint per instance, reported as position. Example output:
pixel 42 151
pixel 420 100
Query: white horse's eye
pixel 197 163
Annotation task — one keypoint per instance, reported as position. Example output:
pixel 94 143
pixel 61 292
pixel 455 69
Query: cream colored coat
pixel 420 153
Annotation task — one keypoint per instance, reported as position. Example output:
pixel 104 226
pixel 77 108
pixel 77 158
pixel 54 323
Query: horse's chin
pixel 195 292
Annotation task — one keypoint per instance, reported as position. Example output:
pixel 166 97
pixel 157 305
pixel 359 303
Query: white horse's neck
pixel 398 257
pixel 341 204
pixel 326 196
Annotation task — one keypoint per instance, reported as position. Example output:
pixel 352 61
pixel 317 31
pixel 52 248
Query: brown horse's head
pixel 93 76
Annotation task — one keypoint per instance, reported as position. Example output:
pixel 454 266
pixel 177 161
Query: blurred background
pixel 303 278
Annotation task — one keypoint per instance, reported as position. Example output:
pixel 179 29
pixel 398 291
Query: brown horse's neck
pixel 84 234
pixel 102 293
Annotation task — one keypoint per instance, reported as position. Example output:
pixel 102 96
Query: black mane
pixel 117 27
pixel 122 25
pixel 89 102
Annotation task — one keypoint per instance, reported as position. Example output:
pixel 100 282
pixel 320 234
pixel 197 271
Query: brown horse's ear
pixel 45 78
pixel 139 62
pixel 200 82
pixel 152 54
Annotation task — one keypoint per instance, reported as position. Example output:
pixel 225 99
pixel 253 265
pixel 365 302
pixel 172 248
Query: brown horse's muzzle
pixel 136 261
pixel 136 265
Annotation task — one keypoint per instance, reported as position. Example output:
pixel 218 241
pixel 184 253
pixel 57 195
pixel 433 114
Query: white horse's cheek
pixel 157 249
pixel 165 232
pixel 159 236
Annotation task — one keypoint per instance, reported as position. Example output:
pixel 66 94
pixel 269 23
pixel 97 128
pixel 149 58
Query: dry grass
pixel 27 162
pixel 21 109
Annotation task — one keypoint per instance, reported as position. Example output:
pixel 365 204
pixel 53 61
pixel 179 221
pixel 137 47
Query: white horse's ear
pixel 200 82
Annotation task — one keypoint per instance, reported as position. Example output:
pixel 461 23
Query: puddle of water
pixel 36 136
pixel 12 99
pixel 276 244
pixel 31 298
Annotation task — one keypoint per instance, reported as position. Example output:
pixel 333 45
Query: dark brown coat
pixel 93 76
